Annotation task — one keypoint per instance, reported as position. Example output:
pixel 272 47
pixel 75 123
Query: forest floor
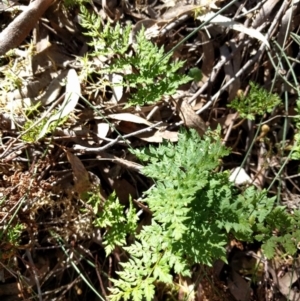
pixel 67 119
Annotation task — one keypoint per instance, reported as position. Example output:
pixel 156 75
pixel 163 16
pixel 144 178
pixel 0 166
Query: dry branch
pixel 13 35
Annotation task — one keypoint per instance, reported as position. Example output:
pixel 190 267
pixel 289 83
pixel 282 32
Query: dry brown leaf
pixel 286 25
pixel 224 121
pixel 230 68
pixel 10 289
pixel 110 8
pixel 81 175
pixel 239 287
pixel 53 54
pixel 129 118
pixel 208 55
pixel 123 189
pixel 41 38
pixel 62 22
pixel 236 64
pixel 177 11
pixel 159 136
pixel 32 87
pixel 186 289
pixel 285 282
pixel 150 25
pixel 128 127
pixel 264 13
pixel 189 117
pixel 149 136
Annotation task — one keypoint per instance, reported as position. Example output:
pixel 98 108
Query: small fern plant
pixel 195 211
pixel 145 68
pixel 258 102
pixel 32 129
pixel 111 216
pixel 280 230
pixel 296 147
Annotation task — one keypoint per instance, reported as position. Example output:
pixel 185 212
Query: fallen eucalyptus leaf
pixel 81 175
pixel 71 99
pixel 189 117
pixel 229 23
pixel 130 118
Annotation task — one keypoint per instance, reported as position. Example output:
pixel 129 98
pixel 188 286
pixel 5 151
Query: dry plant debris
pixel 67 123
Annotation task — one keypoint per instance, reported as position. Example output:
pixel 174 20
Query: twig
pixel 230 128
pixel 36 278
pixel 16 32
pixel 99 277
pixel 125 163
pixel 99 149
pixel 243 69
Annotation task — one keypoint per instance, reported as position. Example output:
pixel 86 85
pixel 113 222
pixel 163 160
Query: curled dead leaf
pixel 189 117
pixel 81 175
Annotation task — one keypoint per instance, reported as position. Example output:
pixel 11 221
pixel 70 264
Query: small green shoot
pixel 112 216
pixel 32 130
pixel 195 211
pixel 146 70
pixel 196 74
pixel 10 237
pixel 258 102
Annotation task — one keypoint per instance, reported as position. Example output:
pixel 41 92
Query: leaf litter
pixel 45 59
